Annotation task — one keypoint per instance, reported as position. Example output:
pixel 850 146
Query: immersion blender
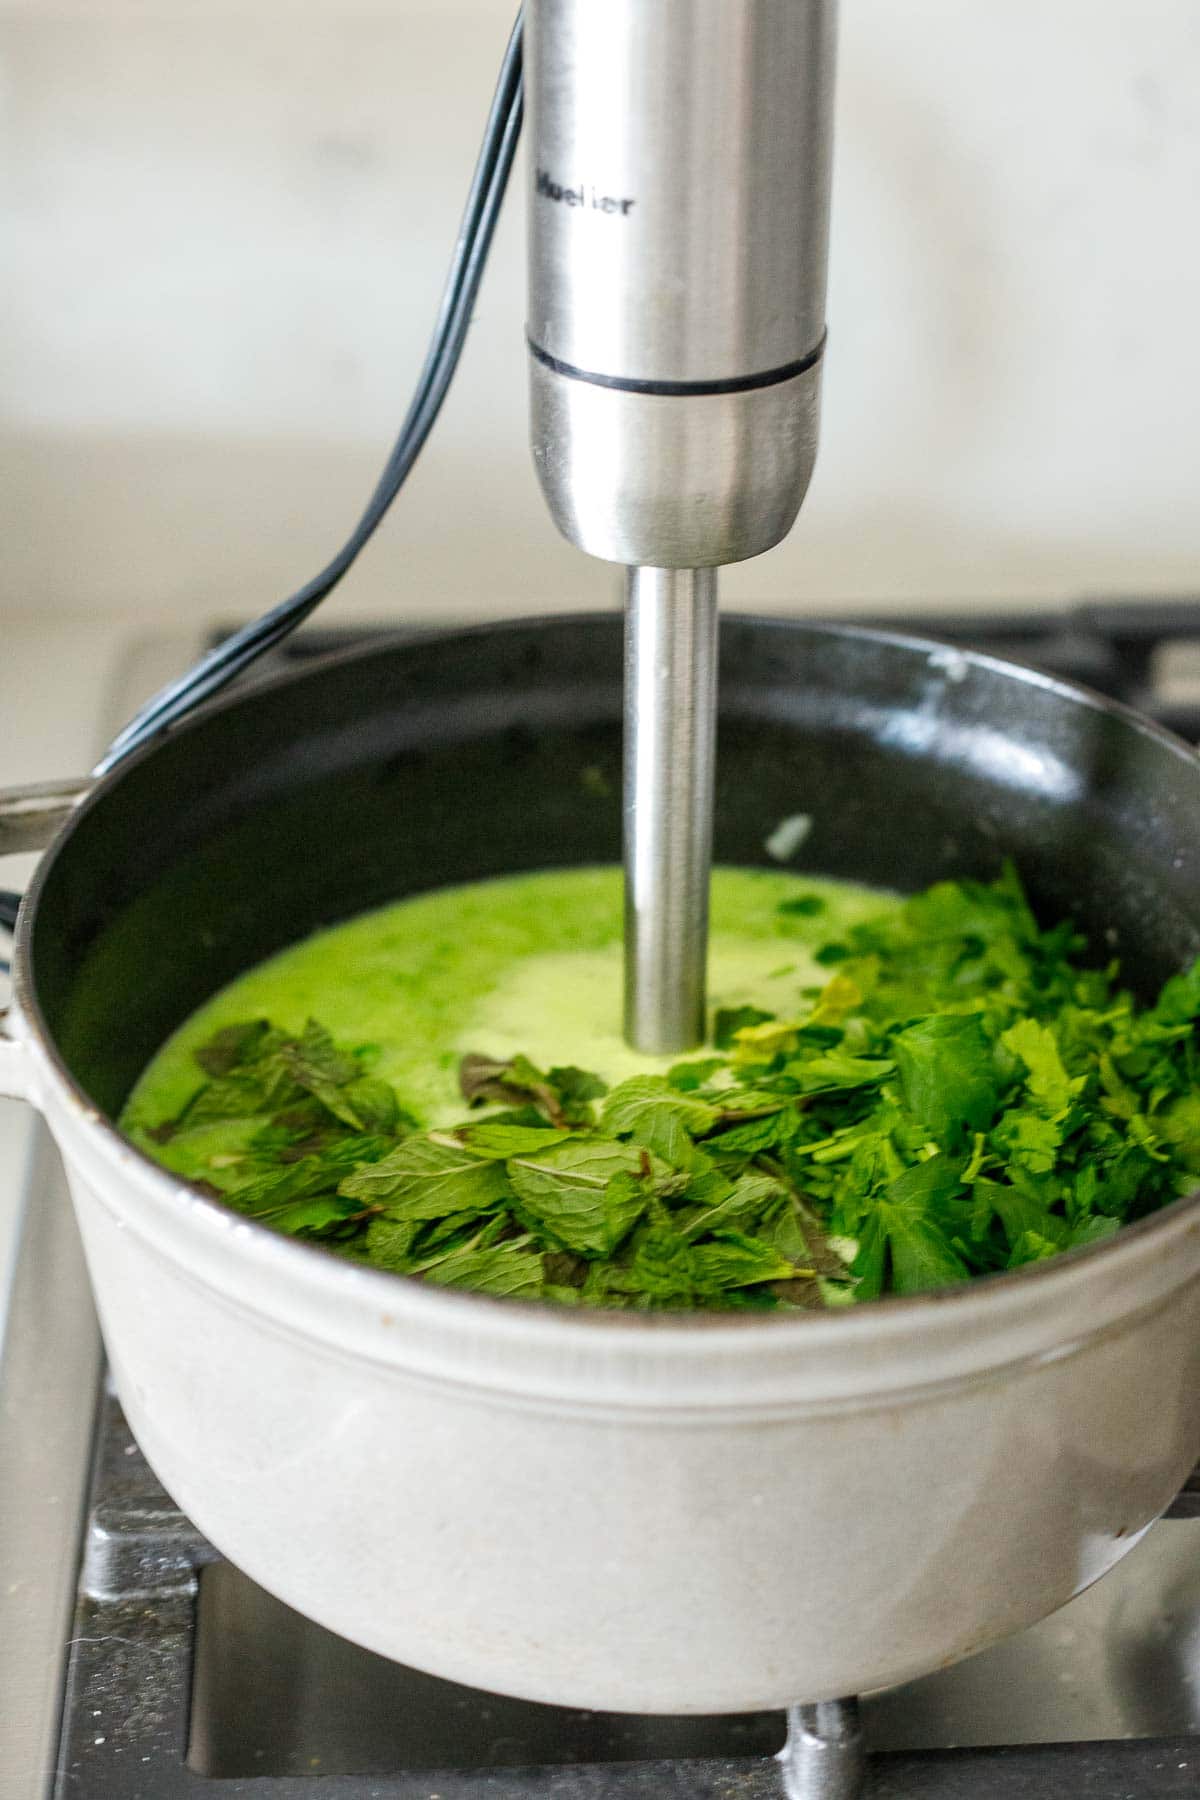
pixel 679 163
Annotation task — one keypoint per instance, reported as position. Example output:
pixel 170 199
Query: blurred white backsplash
pixel 225 229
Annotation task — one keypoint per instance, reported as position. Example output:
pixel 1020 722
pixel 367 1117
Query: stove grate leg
pixel 825 1755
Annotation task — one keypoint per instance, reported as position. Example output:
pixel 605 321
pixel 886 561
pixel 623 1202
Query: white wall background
pixel 224 229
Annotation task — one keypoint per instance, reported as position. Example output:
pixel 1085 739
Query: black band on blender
pixel 739 384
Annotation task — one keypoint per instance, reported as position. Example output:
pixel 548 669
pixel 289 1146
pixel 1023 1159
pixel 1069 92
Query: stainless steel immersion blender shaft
pixel 670 721
pixel 679 201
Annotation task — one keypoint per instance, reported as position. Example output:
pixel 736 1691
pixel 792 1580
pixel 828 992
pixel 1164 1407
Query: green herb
pixel 562 1096
pixel 804 906
pixel 728 1021
pixel 511 1269
pixel 947 1074
pixel 586 1195
pixel 964 1095
pixel 428 1178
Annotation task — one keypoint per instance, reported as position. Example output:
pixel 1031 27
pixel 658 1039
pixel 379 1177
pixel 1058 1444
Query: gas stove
pixel 136 1664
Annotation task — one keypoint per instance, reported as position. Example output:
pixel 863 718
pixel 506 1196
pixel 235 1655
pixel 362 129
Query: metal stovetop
pixel 148 1669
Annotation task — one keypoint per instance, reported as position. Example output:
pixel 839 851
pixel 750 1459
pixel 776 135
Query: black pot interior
pixel 392 770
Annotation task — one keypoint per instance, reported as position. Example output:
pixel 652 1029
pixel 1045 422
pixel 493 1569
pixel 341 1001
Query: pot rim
pixel 1047 1284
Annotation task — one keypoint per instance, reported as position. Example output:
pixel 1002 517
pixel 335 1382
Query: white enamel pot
pixel 693 1514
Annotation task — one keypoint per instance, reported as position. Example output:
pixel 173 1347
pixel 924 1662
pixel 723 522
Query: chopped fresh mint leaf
pixel 500 1140
pixel 314 1062
pixel 388 1243
pixel 663 1267
pixel 736 1206
pixel 630 1103
pixel 428 1178
pixel 562 1097
pixel 662 1130
pixel 686 1077
pixel 310 1217
pixel 371 1105
pixel 834 1069
pixel 585 1195
pixel 734 1260
pixel 513 1269
pixel 755 1135
pixel 232 1046
pixel 575 1087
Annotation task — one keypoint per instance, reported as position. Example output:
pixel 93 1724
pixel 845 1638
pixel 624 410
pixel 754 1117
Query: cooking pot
pixel 650 1513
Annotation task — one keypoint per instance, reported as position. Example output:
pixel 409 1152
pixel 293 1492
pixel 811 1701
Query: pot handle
pixel 30 816
pixel 15 1072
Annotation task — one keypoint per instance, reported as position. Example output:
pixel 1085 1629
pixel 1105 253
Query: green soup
pixel 530 964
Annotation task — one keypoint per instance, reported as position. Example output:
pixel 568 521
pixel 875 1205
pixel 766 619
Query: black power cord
pixel 475 233
pixel 236 653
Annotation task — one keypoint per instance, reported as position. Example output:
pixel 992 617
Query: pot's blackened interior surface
pixel 392 770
